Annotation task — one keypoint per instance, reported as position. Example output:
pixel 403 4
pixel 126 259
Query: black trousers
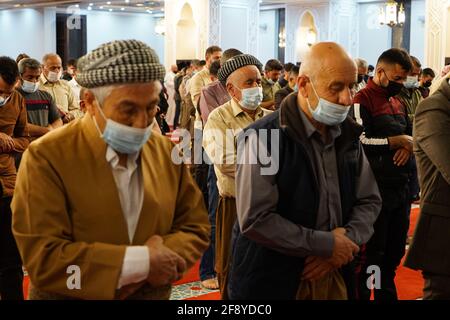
pixel 201 178
pixel 386 248
pixel 176 118
pixel 11 275
pixel 437 287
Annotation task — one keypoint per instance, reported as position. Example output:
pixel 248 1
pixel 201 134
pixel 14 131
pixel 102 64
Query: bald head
pixel 327 72
pixel 326 57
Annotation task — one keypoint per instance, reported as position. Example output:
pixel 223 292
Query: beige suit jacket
pixel 66 211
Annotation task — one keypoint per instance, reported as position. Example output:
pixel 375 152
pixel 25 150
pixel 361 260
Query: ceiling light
pixel 91 4
pixel 149 11
pixel 122 9
pixel 110 10
pixel 127 1
pixel 139 4
pixel 89 8
pixel 391 15
pixel 109 2
pixel 101 7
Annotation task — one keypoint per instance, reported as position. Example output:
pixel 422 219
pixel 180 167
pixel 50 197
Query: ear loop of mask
pixel 314 89
pixel 386 78
pixel 95 120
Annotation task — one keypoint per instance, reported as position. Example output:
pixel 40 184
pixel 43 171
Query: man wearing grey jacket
pixel 429 251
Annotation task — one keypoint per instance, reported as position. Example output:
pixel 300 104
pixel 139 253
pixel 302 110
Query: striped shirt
pixel 41 108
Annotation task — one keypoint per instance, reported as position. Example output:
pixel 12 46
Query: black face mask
pixel 427 84
pixel 360 78
pixel 393 87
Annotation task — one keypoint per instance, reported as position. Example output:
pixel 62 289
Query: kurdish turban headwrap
pixel 119 62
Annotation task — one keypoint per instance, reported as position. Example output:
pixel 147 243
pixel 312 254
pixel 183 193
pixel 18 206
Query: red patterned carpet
pixel 409 282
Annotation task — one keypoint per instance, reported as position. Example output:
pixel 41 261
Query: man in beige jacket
pixel 87 218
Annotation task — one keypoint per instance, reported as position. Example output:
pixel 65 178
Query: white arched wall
pixel 234 24
pixel 437 35
pixel 307 22
pixel 336 20
pixel 294 14
pixel 215 24
pixel 173 12
pixel 447 39
pixel 186 34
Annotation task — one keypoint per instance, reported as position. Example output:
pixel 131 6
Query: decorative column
pixel 343 24
pixel 436 33
pixel 222 29
pixel 49 29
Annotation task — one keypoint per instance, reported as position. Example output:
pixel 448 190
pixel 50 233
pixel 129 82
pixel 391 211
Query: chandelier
pixel 160 27
pixel 282 38
pixel 392 15
pixel 311 37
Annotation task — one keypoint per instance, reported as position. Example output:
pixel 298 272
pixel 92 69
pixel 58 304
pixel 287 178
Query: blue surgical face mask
pixel 122 138
pixel 251 98
pixel 3 101
pixel 411 82
pixel 29 86
pixel 327 112
pixel 271 82
pixel 295 88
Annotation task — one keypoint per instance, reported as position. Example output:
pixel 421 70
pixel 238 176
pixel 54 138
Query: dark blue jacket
pixel 257 272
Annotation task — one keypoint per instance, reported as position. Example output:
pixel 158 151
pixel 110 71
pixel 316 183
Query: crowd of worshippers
pixel 84 146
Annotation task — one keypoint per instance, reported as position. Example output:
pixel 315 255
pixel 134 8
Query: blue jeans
pixel 208 260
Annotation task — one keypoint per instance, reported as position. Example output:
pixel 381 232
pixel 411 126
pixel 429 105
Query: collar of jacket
pixel 288 88
pixel 378 89
pixel 444 88
pixel 291 122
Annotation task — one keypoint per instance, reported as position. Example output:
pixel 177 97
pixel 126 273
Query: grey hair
pixel 28 63
pixel 48 56
pixel 101 93
pixel 361 63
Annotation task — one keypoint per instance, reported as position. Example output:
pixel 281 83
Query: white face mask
pixel 327 112
pixel 53 76
pixel 251 98
pixel 29 86
pixel 3 101
pixel 122 138
pixel 411 82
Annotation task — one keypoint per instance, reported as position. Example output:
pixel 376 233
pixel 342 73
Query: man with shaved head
pixel 242 77
pixel 387 141
pixel 60 90
pixel 300 226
